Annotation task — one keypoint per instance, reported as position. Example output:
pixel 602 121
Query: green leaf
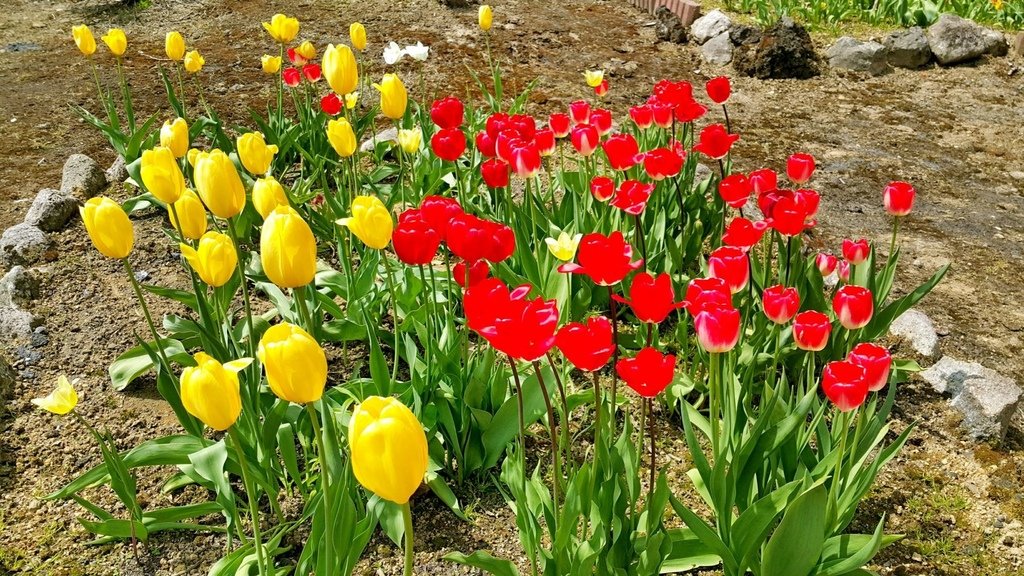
pixel 794 548
pixel 485 562
pixel 688 552
pixel 136 362
pixel 505 424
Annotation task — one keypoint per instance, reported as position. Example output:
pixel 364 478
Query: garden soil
pixel 956 133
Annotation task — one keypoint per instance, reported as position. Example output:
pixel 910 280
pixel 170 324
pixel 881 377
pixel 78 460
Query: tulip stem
pixel 325 482
pixel 640 238
pixel 652 432
pixel 410 555
pixel 254 514
pixel 145 312
pixel 254 381
pixel 394 309
pixel 842 419
pixel 299 295
pixel 615 356
pixel 555 460
pixel 564 427
pixel 892 243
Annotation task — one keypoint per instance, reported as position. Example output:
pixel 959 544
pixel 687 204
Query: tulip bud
pixel 844 384
pixel 876 362
pixel 161 175
pixel 351 99
pixel 662 115
pixel 357 35
pixel 603 188
pixel 312 72
pixel 370 222
pixel 495 173
pixel 780 303
pixel 826 263
pixel 209 390
pixel 287 248
pixel 341 137
pixel 544 139
pixel 108 226
pixel 414 240
pixel 61 400
pixel 476 272
pixel 601 120
pixel 192 155
pixel 811 330
pixel 643 116
pixel 585 139
pixel 291 77
pixel 800 168
pixel 115 41
pixel 718 328
pixel 735 189
pixel 447 112
pixel 898 198
pixel 719 89
pixel 192 213
pixel 388 448
pixel 732 265
pixel 282 28
pixel 601 89
pixel 194 62
pixel 579 111
pixel 214 260
pixel 84 39
pixel 448 144
pixel 594 77
pixel 330 103
pixel 854 306
pixel 764 180
pixel 564 248
pixel 484 17
pixel 219 184
pixel 174 45
pixel 856 251
pixel 268 194
pixel 559 124
pixel 393 97
pixel 270 64
pixel 174 135
pixel 254 152
pixel 410 140
pixel 295 363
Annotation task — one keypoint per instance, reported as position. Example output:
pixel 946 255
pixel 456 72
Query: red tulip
pixel 522 328
pixel 447 112
pixel 784 212
pixel 662 163
pixel 483 301
pixel 856 251
pixel 843 270
pixel 605 259
pixel 291 77
pixel 621 150
pixel 579 111
pixel 643 116
pixel 715 142
pixel 602 187
pixel 780 303
pixel 764 180
pixel 844 384
pixel 811 330
pixel 526 161
pixel 544 139
pixel 732 265
pixel 854 306
pixel 505 142
pixel 485 144
pixel 448 144
pixel 690 111
pixel 648 373
pixel 602 120
pixel 331 104
pixel 601 89
pixel 632 197
pixel 296 58
pixel 719 89
pixel 704 293
pixel 673 93
pixel 800 168
pixel 718 328
pixel 651 299
pixel 898 198
pixel 810 200
pixel 662 114
pixel 414 240
pixel 585 139
pixel 587 346
pixel 469 237
pixel 525 124
pixel 440 211
pixel 478 271
pixel 560 124
pixel 495 173
pixel 312 72
pixel 876 362
pixel 735 189
pixel 496 123
pixel 826 263
pixel 743 233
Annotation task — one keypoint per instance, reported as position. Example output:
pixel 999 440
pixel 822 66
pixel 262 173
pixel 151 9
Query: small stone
pixel 918 330
pixel 19 286
pixel 82 178
pixel 718 50
pixel 118 171
pixel 386 135
pixel 15 323
pixel 986 398
pixel 954 40
pixel 710 25
pixel 23 244
pixel 701 173
pixel 1018 45
pixel 851 54
pixel 141 275
pixel 908 48
pixel 1017 175
pixel 995 42
pixel 669 27
pixel 51 210
pixel 37 340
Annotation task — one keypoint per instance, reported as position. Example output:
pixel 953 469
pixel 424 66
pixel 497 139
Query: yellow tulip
pixel 84 39
pixel 564 248
pixel 594 77
pixel 370 222
pixel 357 34
pixel 484 17
pixel 116 41
pixel 393 97
pixel 306 50
pixel 194 62
pixel 209 390
pixel 61 400
pixel 267 194
pixel 295 363
pixel 270 64
pixel 388 448
pixel 192 155
pixel 341 137
pixel 410 140
pixel 161 175
pixel 287 248
pixel 351 99
pixel 174 45
pixel 108 226
pixel 219 184
pixel 214 260
pixel 192 213
pixel 255 154
pixel 339 68
pixel 174 135
pixel 282 28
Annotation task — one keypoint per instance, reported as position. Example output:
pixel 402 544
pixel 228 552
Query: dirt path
pixel 956 133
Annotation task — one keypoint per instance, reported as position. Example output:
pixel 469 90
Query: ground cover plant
pixel 1007 13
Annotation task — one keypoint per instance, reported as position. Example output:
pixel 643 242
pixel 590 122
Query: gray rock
pixel 954 40
pixel 669 27
pixel 718 50
pixel 51 210
pixel 1018 44
pixel 851 54
pixel 701 173
pixel 710 25
pixel 118 171
pixel 784 51
pixel 917 330
pixel 16 324
pixel 83 178
pixel 386 135
pixel 986 398
pixel 7 378
pixel 23 244
pixel 908 48
pixel 742 35
pixel 18 287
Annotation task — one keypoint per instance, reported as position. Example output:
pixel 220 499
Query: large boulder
pixel 669 27
pixel 23 244
pixel 51 210
pixel 82 178
pixel 785 50
pixel 718 50
pixel 908 48
pixel 852 54
pixel 954 40
pixel 710 25
pixel 986 398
